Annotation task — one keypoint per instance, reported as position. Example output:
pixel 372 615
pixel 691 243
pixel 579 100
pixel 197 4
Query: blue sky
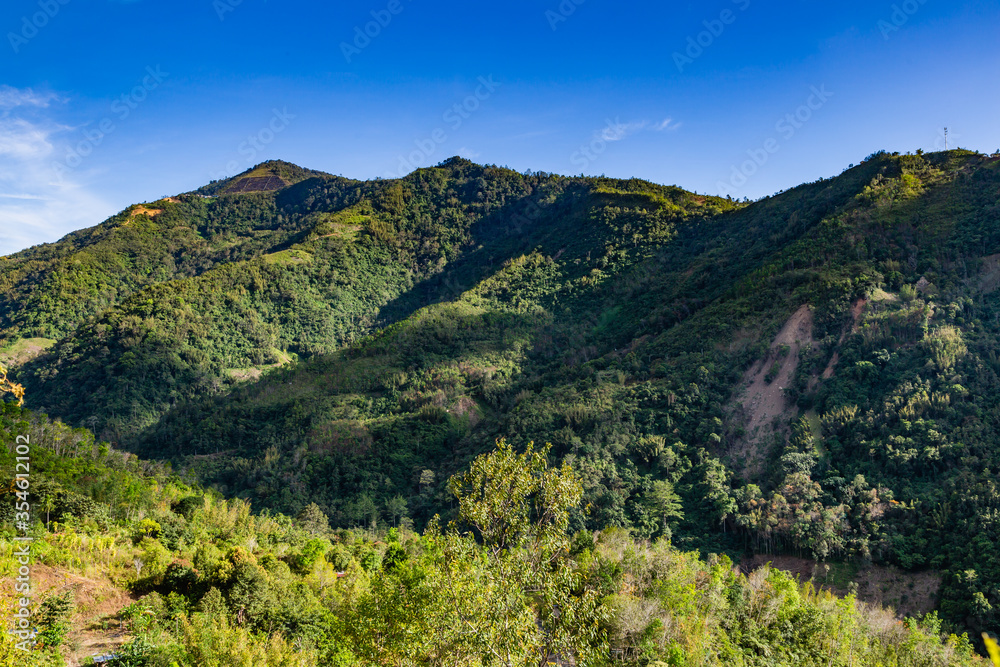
pixel 104 103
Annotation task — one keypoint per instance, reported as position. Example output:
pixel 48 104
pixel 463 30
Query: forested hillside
pixel 814 374
pixel 133 563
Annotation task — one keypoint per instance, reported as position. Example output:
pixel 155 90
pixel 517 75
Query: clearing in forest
pixel 762 406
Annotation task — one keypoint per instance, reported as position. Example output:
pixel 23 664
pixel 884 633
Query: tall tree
pixel 532 604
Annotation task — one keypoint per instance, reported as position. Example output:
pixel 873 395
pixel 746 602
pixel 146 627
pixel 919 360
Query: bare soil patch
pixel 244 374
pixel 856 310
pixel 832 366
pixel 466 406
pixel 763 406
pixel 907 593
pixel 95 630
pixel 258 184
pixel 149 212
pixel 989 275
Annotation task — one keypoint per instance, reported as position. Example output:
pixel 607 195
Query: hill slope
pixel 130 561
pixel 815 373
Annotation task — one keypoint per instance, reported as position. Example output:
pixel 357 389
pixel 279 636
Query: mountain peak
pixel 457 161
pixel 265 177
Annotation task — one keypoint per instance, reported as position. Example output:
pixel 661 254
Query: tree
pixel 396 508
pixel 367 511
pixel 527 603
pixel 515 501
pixel 248 586
pixel 154 556
pixel 716 491
pixel 664 503
pixel 148 528
pixel 394 620
pixel 212 603
pixel 313 519
pixel 53 619
pixel 48 504
pixel 313 550
pixel 507 593
pixel 427 480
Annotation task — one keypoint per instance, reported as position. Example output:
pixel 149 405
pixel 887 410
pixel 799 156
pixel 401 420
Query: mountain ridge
pixel 349 343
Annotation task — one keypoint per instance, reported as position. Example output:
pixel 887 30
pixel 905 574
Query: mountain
pixel 812 375
pixel 49 289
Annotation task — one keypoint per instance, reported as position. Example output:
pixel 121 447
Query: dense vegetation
pixel 506 584
pixel 355 345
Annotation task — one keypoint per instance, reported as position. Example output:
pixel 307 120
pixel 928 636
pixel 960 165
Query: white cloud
pixel 615 130
pixel 14 97
pixel 22 140
pixel 36 205
pixel 666 124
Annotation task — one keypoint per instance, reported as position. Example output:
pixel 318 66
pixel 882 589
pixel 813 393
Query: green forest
pixel 422 420
pixel 505 583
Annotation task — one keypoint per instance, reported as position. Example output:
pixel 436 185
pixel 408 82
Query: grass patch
pixel 287 257
pixel 24 350
pixel 342 224
pixel 841 575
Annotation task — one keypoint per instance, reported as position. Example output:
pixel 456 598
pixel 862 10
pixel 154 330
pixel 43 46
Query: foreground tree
pixel 503 593
pixel 519 509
